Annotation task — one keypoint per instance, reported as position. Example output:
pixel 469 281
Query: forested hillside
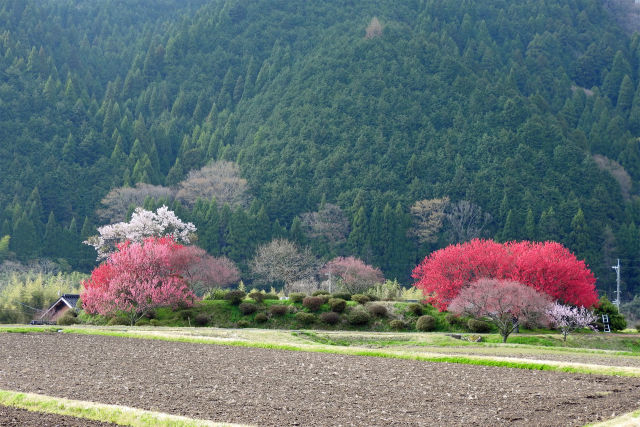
pixel 326 122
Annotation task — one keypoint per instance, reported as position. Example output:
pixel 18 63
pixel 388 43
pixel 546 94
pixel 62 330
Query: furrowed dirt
pixel 274 387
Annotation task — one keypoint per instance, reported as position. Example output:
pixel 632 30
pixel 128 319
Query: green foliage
pixel 261 318
pixel 278 309
pixel 342 295
pixel 70 317
pixel 426 323
pixel 377 310
pixel 390 290
pixel 235 297
pixel 617 321
pixel 243 323
pixel 478 326
pixel 202 319
pixel 247 308
pixel 216 294
pixel 313 303
pixel 296 297
pixel 360 298
pixel 24 297
pixel 257 296
pixel 330 318
pixel 337 305
pixel 415 308
pixel 320 292
pixel 358 316
pixel 397 324
pixel 305 318
pixel 446 101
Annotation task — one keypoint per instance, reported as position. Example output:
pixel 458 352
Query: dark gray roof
pixel 71 299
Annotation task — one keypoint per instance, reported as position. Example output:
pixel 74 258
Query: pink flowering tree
pixel 352 274
pixel 204 272
pixel 137 278
pixel 568 319
pixel 505 303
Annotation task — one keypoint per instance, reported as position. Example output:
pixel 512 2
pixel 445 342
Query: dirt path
pixel 272 387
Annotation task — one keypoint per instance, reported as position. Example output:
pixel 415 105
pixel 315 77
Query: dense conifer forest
pixel 322 122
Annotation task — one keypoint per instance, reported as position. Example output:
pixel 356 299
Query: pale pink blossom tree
pixel 568 319
pixel 204 272
pixel 352 274
pixel 505 303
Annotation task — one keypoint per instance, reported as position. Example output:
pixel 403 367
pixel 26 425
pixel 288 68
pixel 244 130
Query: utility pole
pixel 617 269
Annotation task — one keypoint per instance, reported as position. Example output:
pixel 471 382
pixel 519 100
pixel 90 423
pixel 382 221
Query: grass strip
pixel 116 414
pixel 630 419
pixel 477 361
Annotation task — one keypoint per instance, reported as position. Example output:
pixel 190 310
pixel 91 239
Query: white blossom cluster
pixel 143 224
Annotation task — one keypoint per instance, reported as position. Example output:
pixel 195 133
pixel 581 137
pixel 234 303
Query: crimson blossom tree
pixel 506 303
pixel 547 267
pixel 353 274
pixel 139 277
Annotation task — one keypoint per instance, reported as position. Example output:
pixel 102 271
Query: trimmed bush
pixel 397 324
pixel 247 308
pixel 235 297
pixel 296 297
pixel 119 320
pixel 243 323
pixel 377 310
pixel 313 303
pixel 271 296
pixel 415 309
pixel 257 296
pixel 305 318
pixel 143 322
pixel 426 323
pixel 330 318
pixel 202 319
pixel 372 297
pixel 452 319
pixel 478 326
pixel 261 318
pixel 342 295
pixel 320 292
pixel 216 294
pixel 360 298
pixel 358 317
pixel 68 318
pixel 278 309
pixel 337 304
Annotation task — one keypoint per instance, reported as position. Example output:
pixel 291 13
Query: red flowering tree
pixel 137 278
pixel 352 273
pixel 505 303
pixel 551 268
pixel 547 267
pixel 444 273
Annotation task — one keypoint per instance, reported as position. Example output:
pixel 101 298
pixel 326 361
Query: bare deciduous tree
pixel 330 223
pixel 282 261
pixel 467 221
pixel 116 203
pixel 374 29
pixel 219 179
pixel 428 218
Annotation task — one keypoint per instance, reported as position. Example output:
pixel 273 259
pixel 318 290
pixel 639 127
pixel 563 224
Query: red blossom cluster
pixel 547 267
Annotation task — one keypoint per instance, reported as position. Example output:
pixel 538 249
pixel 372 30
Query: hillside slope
pixel 528 111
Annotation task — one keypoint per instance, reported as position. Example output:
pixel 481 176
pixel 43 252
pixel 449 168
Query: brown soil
pixel 273 387
pixel 11 417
